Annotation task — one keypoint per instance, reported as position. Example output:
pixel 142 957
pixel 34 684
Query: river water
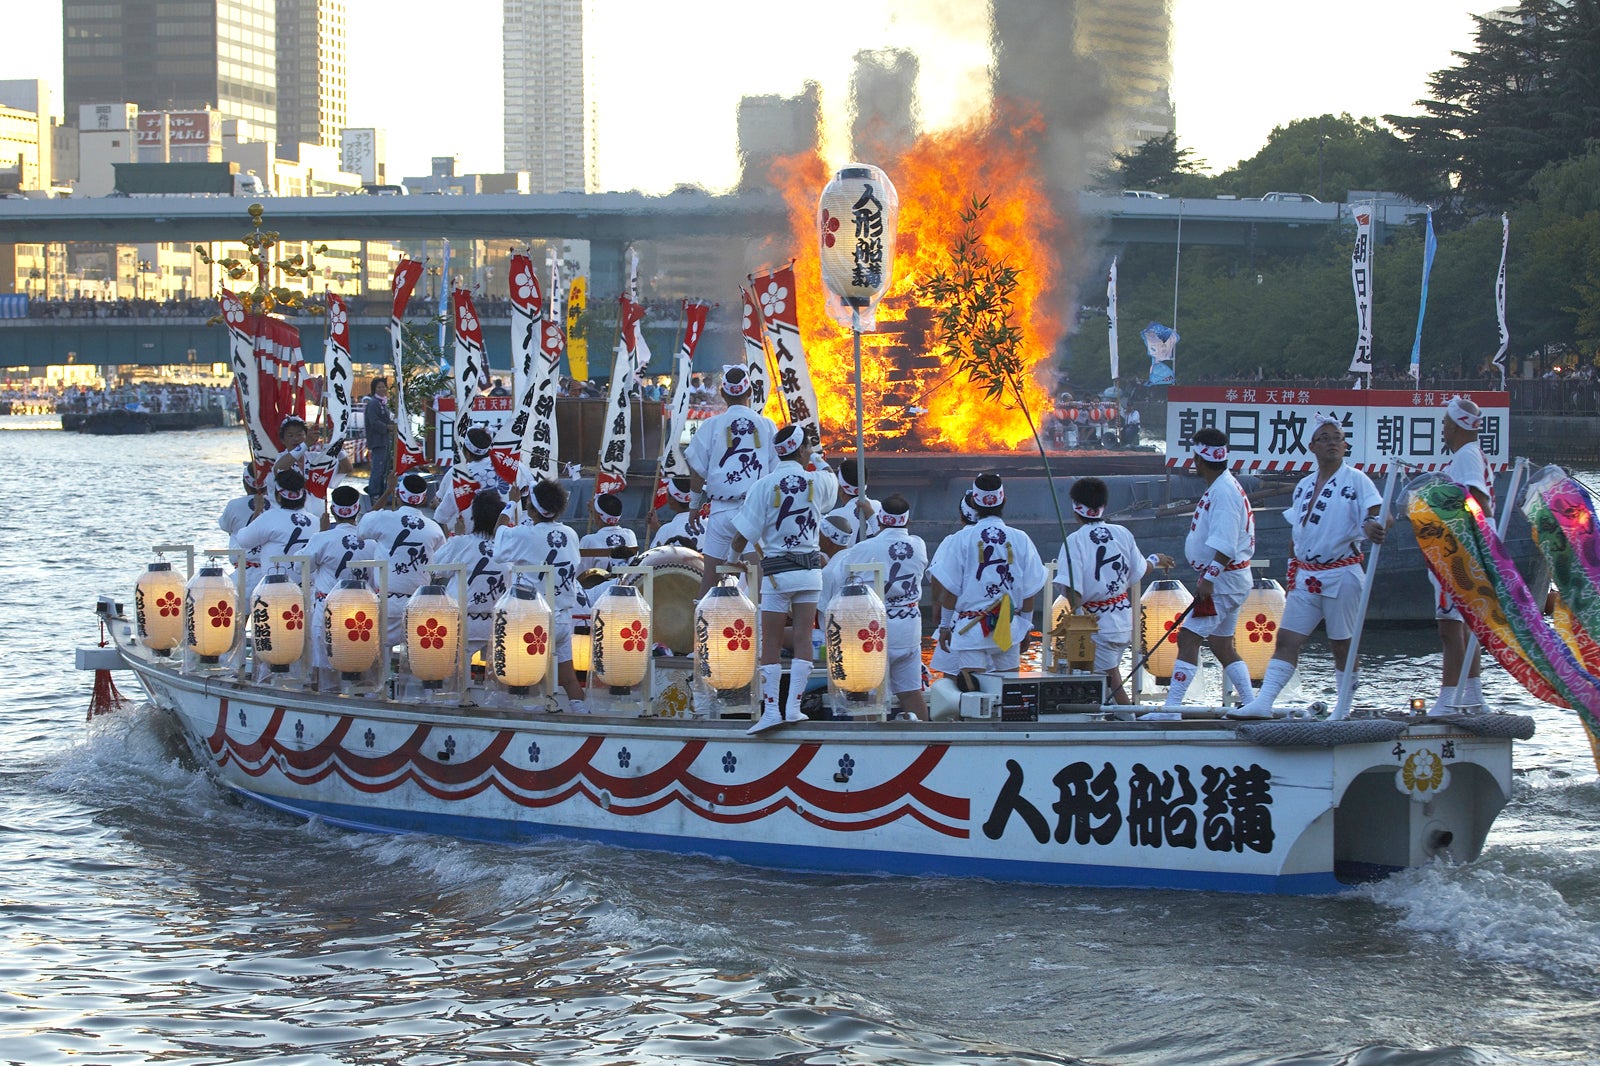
pixel 146 915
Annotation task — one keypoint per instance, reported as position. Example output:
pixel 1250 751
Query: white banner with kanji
pixel 1270 430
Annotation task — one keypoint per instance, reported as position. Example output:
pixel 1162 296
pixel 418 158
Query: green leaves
pixel 973 308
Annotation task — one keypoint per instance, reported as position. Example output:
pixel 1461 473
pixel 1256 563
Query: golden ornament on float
pixel 620 638
pixel 433 635
pixel 521 640
pixel 350 634
pixel 210 614
pixel 725 638
pixel 158 608
pixel 856 637
pixel 278 623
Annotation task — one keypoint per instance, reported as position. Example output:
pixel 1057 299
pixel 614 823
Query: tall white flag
pixel 1361 280
pixel 1500 300
pixel 1111 316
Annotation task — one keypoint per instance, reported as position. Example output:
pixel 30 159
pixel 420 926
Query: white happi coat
pixel 1326 527
pixel 332 550
pixel 676 527
pixel 1105 562
pixel 1223 522
pixel 732 451
pixel 903 558
pixel 407 538
pixel 606 538
pixel 782 512
pixel 550 544
pixel 277 532
pixel 847 511
pixel 486 580
pixel 978 565
pixel 236 515
pixel 1469 468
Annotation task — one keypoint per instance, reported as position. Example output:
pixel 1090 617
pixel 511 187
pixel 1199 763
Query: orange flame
pixel 936 178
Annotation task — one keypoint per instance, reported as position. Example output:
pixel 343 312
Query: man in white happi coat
pixel 476 473
pixel 407 537
pixel 779 519
pixel 283 530
pixel 544 540
pixel 1096 569
pixel 332 550
pixel 613 543
pixel 853 501
pixel 1335 508
pixel 241 509
pixel 730 452
pixel 902 558
pixel 675 530
pixel 1220 545
pixel 485 575
pixel 1469 468
pixel 987 576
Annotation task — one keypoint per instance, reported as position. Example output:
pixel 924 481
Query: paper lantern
pixel 158 608
pixel 210 614
pixel 620 641
pixel 1111 412
pixel 582 649
pixel 522 639
pixel 1094 413
pixel 350 634
pixel 725 638
pixel 856 219
pixel 433 635
pixel 1163 602
pixel 857 637
pixel 1072 414
pixel 1256 636
pixel 278 623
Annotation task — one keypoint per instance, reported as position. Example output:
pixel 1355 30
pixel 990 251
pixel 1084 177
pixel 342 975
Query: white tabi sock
pixel 771 681
pixel 1442 705
pixel 1182 677
pixel 1278 675
pixel 1473 696
pixel 799 674
pixel 1239 674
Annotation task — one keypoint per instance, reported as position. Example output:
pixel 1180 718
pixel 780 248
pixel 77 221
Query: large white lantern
pixel 856 635
pixel 433 635
pixel 1256 636
pixel 210 614
pixel 158 608
pixel 725 638
pixel 350 633
pixel 620 638
pixel 522 639
pixel 278 623
pixel 856 219
pixel 1162 603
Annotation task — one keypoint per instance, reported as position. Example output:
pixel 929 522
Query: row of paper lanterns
pixel 1255 636
pixel 200 617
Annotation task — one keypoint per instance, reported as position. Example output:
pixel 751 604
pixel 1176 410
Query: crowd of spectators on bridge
pixel 145 397
pixel 192 307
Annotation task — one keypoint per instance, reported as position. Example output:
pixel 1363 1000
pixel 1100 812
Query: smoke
pixel 883 101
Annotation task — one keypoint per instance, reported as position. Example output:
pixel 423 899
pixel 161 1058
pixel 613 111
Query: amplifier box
pixel 1026 695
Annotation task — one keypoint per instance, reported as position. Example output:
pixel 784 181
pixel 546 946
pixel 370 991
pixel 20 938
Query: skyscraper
pixel 312 93
pixel 171 56
pixel 549 124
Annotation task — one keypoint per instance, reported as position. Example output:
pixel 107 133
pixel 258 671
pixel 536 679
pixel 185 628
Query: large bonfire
pixel 914 398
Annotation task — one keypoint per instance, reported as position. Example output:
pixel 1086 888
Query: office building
pixel 772 127
pixel 312 91
pixel 549 117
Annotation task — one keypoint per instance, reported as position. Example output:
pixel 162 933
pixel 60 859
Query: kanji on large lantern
pixel 856 219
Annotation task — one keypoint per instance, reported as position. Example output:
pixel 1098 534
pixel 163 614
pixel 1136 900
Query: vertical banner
pixel 1111 318
pixel 471 364
pixel 755 356
pixel 534 428
pixel 1162 344
pixel 1430 245
pixel 617 442
pixel 408 453
pixel 527 307
pixel 1500 299
pixel 671 463
pixel 577 345
pixel 1361 281
pixel 775 297
pixel 336 370
pixel 247 386
pixel 640 347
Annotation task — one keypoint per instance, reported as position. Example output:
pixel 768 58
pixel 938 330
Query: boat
pixel 118 421
pixel 1040 784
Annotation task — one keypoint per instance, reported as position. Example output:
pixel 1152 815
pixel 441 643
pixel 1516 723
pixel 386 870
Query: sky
pixel 674 71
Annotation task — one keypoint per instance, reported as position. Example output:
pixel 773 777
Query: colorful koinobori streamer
pixel 408 453
pixel 1464 553
pixel 337 371
pixel 470 376
pixel 780 318
pixel 527 306
pixel 246 383
pixel 755 356
pixel 616 445
pixel 1561 513
pixel 671 462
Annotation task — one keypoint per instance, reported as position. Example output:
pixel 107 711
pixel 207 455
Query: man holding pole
pixel 1335 507
pixel 730 452
pixel 1468 468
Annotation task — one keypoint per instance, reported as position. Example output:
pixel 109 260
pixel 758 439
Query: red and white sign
pixel 491 412
pixel 1270 429
pixel 183 127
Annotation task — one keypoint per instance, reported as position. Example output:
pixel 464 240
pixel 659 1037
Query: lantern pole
pixel 861 446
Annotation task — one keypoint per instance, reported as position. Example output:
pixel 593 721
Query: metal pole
pixel 1518 473
pixel 861 447
pixel 1347 687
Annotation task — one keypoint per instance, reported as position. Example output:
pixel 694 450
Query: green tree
pixel 1157 165
pixel 1327 156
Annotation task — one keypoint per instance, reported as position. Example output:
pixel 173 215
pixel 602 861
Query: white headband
pixel 606 519
pixel 1457 411
pixel 682 496
pixel 836 535
pixel 341 511
pixel 1325 420
pixel 1212 453
pixel 888 520
pixel 1087 512
pixel 966 508
pixel 408 497
pixel 790 444
pixel 735 388
pixel 988 497
pixel 538 508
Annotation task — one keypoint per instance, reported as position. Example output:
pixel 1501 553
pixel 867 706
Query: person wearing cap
pixel 407 537
pixel 675 530
pixel 1095 570
pixel 544 540
pixel 987 574
pixel 1469 468
pixel 331 551
pixel 612 540
pixel 474 473
pixel 1334 508
pixel 485 574
pixel 241 509
pixel 282 530
pixel 379 427
pixel 1220 545
pixel 779 519
pixel 730 452
pixel 902 559
pixel 854 504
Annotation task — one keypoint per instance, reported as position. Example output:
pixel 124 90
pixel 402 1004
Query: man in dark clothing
pixel 380 438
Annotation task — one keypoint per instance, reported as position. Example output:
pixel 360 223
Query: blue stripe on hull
pixel 802 858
